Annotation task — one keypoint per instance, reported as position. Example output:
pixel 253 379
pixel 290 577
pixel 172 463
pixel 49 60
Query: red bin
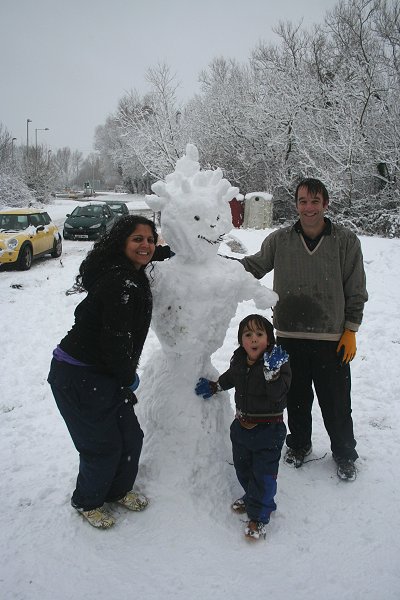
pixel 237 211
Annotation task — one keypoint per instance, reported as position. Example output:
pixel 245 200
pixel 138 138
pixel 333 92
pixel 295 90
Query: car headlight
pixel 12 243
pixel 95 226
pixel 67 226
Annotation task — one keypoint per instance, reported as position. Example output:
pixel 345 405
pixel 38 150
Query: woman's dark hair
pixel 109 249
pixel 313 186
pixel 260 322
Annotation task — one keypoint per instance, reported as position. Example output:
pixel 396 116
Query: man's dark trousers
pixel 316 362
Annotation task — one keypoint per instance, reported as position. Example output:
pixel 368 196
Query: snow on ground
pixel 328 539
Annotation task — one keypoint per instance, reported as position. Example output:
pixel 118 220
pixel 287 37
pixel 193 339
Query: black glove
pixel 126 395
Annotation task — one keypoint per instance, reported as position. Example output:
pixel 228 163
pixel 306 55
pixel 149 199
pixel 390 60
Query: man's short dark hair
pixel 314 186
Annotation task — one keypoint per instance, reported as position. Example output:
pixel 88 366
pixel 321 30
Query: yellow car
pixel 25 234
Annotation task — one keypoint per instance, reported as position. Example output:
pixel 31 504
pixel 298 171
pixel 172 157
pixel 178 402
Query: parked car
pixel 25 234
pixel 120 208
pixel 120 189
pixel 89 222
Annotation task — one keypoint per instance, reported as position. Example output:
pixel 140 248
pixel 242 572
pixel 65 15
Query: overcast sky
pixel 65 64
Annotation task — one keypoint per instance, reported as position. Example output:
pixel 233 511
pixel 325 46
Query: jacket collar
pixel 312 243
pixel 327 231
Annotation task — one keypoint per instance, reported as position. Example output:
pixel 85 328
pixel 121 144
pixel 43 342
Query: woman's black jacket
pixel 112 322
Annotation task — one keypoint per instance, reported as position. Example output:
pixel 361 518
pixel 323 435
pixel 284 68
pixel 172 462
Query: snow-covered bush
pixel 13 191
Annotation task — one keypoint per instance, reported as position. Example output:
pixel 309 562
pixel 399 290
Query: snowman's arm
pixel 252 289
pixel 263 296
pixel 248 287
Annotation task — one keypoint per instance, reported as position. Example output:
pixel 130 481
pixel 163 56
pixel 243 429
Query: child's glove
pixel 346 348
pixel 134 386
pixel 273 361
pixel 206 388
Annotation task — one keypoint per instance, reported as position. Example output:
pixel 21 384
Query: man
pixel 319 276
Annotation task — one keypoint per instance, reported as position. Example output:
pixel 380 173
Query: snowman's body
pixel 195 302
pixel 196 294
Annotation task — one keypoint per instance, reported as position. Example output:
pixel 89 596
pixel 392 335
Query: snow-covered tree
pixel 13 190
pixel 323 102
pixel 62 160
pixel 151 126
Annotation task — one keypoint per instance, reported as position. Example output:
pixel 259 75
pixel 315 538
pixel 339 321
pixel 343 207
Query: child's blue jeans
pixel 256 455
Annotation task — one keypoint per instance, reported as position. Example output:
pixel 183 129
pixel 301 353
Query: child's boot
pixel 255 530
pixel 239 506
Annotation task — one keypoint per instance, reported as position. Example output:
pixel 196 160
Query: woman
pixel 93 371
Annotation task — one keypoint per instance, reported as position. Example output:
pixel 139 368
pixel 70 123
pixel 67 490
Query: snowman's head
pixel 194 207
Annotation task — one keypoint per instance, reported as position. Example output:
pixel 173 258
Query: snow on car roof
pixel 21 211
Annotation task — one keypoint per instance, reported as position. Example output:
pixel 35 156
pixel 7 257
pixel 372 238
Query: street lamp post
pixel 27 137
pixel 12 149
pixel 36 130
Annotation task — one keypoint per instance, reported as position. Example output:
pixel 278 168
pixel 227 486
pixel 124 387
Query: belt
pixel 267 419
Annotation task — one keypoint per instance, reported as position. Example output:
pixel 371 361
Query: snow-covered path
pixel 328 539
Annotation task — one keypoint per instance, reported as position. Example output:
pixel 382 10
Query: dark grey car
pixel 120 208
pixel 88 222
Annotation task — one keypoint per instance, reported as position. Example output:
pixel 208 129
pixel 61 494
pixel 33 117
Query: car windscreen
pixel 13 222
pixel 87 211
pixel 119 208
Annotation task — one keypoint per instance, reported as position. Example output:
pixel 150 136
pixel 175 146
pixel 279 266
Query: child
pixel 260 373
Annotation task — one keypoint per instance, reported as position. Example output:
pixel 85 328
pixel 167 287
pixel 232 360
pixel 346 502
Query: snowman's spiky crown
pixel 188 180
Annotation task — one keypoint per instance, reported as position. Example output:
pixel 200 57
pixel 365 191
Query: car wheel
pixel 57 248
pixel 24 261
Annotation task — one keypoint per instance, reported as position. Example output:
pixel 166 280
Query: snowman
pixel 196 294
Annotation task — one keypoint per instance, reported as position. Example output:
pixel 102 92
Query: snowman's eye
pixel 197 218
pixel 217 218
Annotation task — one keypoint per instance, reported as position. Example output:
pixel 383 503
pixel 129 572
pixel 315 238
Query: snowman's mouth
pixel 217 241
